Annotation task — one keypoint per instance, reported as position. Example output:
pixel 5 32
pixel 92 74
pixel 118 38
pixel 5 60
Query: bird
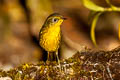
pixel 50 34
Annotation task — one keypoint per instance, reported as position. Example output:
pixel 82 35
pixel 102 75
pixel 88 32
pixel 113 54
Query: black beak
pixel 64 18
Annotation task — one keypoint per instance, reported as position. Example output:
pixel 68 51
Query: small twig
pixel 109 72
pixel 92 77
pixel 104 74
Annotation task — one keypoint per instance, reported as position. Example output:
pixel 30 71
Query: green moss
pixel 85 65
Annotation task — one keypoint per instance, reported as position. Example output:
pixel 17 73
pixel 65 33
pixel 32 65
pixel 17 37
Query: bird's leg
pixel 48 57
pixel 58 59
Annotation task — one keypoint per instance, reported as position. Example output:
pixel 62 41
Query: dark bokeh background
pixel 21 20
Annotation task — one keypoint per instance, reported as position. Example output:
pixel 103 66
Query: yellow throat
pixel 50 38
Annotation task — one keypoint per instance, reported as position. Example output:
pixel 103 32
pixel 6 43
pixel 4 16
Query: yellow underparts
pixel 50 38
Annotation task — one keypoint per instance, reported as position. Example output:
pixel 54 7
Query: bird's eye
pixel 54 20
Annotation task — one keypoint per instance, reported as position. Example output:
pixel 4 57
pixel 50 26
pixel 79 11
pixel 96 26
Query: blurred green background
pixel 21 20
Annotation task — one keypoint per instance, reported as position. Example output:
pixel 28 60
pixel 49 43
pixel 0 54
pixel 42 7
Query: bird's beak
pixel 64 18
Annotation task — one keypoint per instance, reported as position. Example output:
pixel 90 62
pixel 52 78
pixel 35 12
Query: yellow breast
pixel 50 38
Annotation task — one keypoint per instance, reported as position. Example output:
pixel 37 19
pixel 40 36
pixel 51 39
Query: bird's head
pixel 54 19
